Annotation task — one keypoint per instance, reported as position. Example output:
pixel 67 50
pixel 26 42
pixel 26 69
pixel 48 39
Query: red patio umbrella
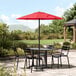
pixel 39 16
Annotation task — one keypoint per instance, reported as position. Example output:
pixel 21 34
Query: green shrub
pixel 57 45
pixel 20 52
pixel 52 36
pixel 4 72
pixel 11 52
pixel 34 45
pixel 11 71
pixel 20 44
pixel 74 46
pixel 3 52
pixel 7 44
pixel 66 43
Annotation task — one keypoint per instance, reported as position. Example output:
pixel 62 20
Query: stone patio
pixel 62 71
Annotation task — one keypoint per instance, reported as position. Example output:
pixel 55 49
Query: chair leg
pixel 25 64
pixel 36 64
pixel 15 58
pixel 60 62
pixel 31 69
pixel 26 61
pixel 17 62
pixel 42 64
pixel 32 65
pixel 29 62
pixel 52 62
pixel 68 61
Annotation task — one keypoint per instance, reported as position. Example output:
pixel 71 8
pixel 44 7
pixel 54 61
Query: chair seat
pixel 62 53
pixel 34 57
pixel 56 55
pixel 42 54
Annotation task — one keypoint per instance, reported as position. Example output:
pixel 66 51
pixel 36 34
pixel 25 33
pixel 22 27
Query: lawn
pixel 49 41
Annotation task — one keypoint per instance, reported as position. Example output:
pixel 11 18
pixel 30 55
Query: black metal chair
pixel 64 51
pixel 28 57
pixel 31 57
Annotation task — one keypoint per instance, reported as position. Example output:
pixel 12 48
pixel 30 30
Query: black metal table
pixel 41 49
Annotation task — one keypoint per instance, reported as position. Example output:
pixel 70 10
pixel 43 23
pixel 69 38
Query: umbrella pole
pixel 39 42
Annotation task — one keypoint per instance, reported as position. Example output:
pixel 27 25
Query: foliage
pixel 66 43
pixel 56 26
pixel 44 29
pixel 55 36
pixel 5 40
pixel 70 13
pixel 5 71
pixel 69 33
pixel 3 31
pixel 3 52
pixel 20 44
pixel 53 31
pixel 34 45
pixel 74 46
pixel 7 44
pixel 17 35
pixel 10 53
pixel 57 45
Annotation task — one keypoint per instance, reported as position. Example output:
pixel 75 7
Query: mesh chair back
pixel 27 52
pixel 50 47
pixel 65 50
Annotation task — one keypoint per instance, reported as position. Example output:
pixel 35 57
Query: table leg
pixel 46 59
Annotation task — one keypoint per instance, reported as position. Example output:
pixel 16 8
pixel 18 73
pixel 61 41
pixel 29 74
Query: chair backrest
pixel 27 51
pixel 15 51
pixel 65 50
pixel 50 47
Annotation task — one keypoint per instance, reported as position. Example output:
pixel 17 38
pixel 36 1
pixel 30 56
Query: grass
pixel 49 41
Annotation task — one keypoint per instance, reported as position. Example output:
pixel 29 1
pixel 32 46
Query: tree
pixel 56 26
pixel 44 29
pixel 5 40
pixel 17 35
pixel 70 13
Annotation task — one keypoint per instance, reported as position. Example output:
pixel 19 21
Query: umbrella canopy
pixel 39 16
